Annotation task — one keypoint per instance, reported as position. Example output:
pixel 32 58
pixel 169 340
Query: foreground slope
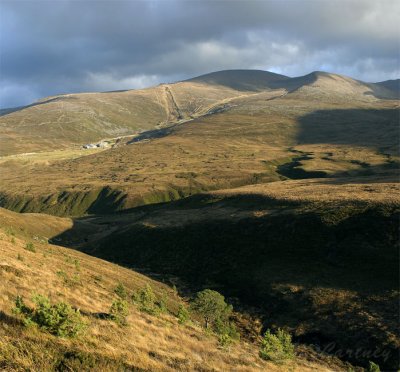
pixel 146 343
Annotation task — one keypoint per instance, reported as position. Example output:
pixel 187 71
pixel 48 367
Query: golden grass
pixel 376 191
pixel 148 342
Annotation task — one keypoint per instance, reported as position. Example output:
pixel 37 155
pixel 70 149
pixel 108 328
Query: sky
pixel 56 46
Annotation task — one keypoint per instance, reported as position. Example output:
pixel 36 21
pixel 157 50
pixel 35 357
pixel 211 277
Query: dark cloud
pixel 50 47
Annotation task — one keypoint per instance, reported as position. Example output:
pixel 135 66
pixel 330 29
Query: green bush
pixel 225 340
pixel 121 291
pixel 77 265
pixel 119 310
pixel 30 247
pixel 76 361
pixel 145 299
pixel 68 281
pixel 277 347
pixel 9 231
pixel 162 303
pixel 59 319
pixel 212 307
pixel 373 367
pixel 21 308
pixel 227 328
pixel 183 314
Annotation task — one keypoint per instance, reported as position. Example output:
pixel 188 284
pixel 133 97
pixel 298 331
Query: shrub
pixel 224 340
pixel 373 367
pixel 162 303
pixel 77 265
pixel 30 247
pixel 59 319
pixel 226 328
pixel 20 307
pixel 277 347
pixel 97 278
pixel 73 281
pixel 119 310
pixel 146 300
pixel 76 361
pixel 211 306
pixel 120 291
pixel 183 314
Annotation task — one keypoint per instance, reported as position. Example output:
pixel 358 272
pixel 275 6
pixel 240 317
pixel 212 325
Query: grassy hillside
pixel 75 119
pixel 146 343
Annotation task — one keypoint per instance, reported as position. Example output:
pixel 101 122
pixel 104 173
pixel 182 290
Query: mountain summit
pixel 246 80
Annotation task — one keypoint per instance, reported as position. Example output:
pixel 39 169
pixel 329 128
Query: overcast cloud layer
pixel 51 47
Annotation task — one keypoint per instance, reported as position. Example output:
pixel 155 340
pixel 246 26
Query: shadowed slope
pixel 317 256
pixel 391 85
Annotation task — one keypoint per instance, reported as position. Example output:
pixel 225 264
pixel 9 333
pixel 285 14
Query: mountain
pixel 71 120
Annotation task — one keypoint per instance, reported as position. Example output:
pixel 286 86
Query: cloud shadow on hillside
pixel 378 129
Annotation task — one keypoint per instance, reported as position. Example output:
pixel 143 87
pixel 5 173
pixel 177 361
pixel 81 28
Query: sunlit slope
pixel 74 119
pixel 29 265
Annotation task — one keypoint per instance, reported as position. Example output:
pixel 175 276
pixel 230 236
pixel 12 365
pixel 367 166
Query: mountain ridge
pixel 391 84
pixel 75 119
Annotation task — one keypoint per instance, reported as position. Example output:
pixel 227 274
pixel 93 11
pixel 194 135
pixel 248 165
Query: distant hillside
pixel 71 120
pixel 391 85
pixel 75 119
